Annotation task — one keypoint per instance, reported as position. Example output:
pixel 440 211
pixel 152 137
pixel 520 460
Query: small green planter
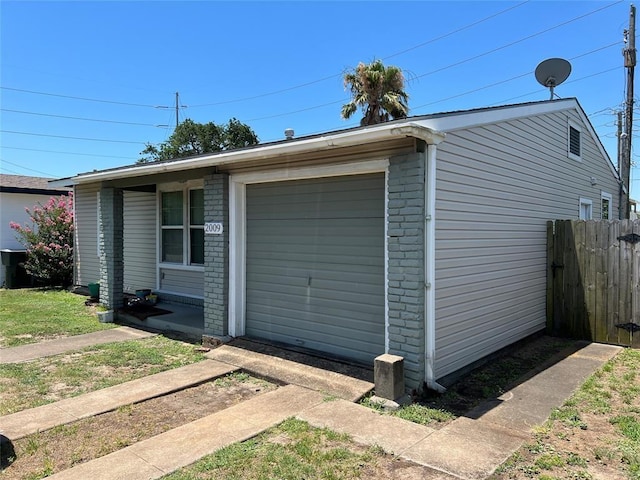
pixel 94 290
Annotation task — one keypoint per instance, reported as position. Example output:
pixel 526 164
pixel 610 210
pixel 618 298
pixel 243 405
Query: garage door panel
pixel 315 264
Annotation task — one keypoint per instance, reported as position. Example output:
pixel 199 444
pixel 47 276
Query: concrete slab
pixel 530 403
pixel 26 422
pixel 25 353
pixel 392 434
pixel 117 465
pixel 182 446
pixel 466 448
pixel 290 372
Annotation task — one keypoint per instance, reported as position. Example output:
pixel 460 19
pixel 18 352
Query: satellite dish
pixel 552 72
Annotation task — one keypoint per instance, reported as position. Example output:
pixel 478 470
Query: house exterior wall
pixel 497 185
pixel 140 227
pixel 87 261
pixel 405 268
pixel 12 209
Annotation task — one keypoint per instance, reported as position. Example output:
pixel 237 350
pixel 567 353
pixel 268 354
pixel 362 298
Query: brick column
pixel 216 257
pixel 406 275
pixel 110 225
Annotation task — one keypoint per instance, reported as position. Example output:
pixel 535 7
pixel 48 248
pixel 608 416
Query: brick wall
pixel 110 243
pixel 216 256
pixel 406 215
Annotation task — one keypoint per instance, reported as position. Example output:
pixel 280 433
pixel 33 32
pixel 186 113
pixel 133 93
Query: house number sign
pixel 213 228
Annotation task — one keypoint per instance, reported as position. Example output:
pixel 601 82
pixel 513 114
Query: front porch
pixel 183 321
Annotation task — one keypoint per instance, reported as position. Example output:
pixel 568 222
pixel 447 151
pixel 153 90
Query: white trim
pixel 237 257
pixel 474 118
pixel 302 173
pixel 386 260
pixel 179 266
pixel 607 196
pixel 585 201
pixel 237 225
pixel 571 124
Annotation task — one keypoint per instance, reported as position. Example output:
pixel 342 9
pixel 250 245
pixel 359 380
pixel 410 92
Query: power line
pixel 71 138
pixel 68 153
pixel 76 118
pixel 81 98
pixel 306 84
pixel 488 52
pixel 26 168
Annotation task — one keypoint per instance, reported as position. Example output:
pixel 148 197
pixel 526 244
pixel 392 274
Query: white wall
pixel 12 209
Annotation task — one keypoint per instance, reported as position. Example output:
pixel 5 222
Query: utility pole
pixel 629 62
pixel 177 108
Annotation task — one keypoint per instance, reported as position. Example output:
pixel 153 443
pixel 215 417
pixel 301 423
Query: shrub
pixel 49 241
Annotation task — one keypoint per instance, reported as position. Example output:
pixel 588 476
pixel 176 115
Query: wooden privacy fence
pixel 593 271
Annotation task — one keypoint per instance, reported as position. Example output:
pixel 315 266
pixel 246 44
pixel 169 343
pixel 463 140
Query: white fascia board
pixel 326 142
pixel 459 120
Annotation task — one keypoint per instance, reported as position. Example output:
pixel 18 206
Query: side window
pixel 606 201
pixel 586 208
pixel 574 144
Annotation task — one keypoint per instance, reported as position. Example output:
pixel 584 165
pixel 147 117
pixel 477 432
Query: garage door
pixel 315 264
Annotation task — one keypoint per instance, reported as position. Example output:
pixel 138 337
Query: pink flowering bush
pixel 49 241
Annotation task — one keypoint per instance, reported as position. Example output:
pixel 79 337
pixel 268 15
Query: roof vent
pixel 288 133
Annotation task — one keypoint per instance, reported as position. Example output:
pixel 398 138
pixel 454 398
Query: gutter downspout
pixel 430 268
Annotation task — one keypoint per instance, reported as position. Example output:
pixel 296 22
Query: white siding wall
pixel 12 209
pixel 497 185
pixel 189 282
pixel 86 235
pixel 139 240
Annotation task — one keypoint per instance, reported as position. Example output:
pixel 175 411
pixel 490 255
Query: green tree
pixel 191 138
pixel 378 91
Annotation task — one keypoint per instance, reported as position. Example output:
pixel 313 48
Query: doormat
pixel 142 312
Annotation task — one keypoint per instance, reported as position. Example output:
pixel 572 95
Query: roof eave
pixel 326 142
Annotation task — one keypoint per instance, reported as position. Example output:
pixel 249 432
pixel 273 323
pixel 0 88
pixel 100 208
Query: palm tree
pixel 378 90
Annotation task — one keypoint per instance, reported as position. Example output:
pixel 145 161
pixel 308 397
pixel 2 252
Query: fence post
pixel 550 275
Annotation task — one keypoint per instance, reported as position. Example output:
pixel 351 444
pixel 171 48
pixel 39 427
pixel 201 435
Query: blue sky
pixel 82 81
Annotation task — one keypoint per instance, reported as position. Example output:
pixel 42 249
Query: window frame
pixel 609 198
pixel 586 202
pixel 572 125
pixel 186 188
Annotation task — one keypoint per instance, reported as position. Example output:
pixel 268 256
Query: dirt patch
pixel 498 374
pixel 60 448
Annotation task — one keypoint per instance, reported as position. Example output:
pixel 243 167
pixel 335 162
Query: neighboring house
pixel 423 237
pixel 18 192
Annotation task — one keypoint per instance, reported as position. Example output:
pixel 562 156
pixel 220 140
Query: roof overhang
pixel 337 140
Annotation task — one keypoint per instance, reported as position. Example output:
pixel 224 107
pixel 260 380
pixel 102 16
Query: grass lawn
pixel 595 434
pixel 291 450
pixel 30 384
pixel 34 315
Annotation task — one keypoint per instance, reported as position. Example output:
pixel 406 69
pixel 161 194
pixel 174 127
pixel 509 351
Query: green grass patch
pixel 292 450
pixel 28 385
pixel 33 315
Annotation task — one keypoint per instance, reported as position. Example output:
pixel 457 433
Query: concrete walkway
pixel 48 348
pixel 470 447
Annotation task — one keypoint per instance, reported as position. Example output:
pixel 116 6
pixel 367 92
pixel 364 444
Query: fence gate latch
pixel 630 237
pixel 554 267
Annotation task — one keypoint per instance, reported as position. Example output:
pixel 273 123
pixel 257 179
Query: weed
pixel 547 461
pixel 628 425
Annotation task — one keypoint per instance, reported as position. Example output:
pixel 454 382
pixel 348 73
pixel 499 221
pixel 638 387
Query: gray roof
pixel 26 184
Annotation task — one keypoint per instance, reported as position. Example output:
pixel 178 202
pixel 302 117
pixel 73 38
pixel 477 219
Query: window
pixel 182 227
pixel 606 201
pixel 585 209
pixel 574 147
